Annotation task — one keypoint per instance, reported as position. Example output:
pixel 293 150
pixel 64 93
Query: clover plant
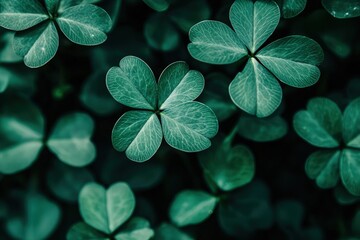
pixel 323 125
pixel 293 59
pixel 37 39
pixel 185 124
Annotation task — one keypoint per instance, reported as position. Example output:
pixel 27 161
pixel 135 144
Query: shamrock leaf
pixel 168 232
pixel 37 40
pixel 323 125
pixel 38 212
pixel 136 229
pixel 157 5
pixel 292 59
pixel 191 207
pixel 82 231
pixel 186 125
pixel 291 8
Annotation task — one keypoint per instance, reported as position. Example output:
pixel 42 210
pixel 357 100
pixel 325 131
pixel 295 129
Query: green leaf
pixel 191 207
pixel 18 15
pixel 262 129
pixel 255 90
pixel 39 219
pixel 82 231
pixel 254 22
pixel 139 134
pixel 133 83
pixel 342 8
pixel 323 166
pixel 215 42
pixel 188 126
pixel 160 33
pixel 343 196
pixel 106 210
pixel 137 229
pixel 293 60
pixel 85 24
pixel 351 124
pixel 229 167
pixel 178 84
pixel 291 8
pixel 169 232
pixel 157 5
pixel 4 78
pixel 216 96
pixel 350 170
pixel 320 124
pixel 21 134
pixel 37 45
pixel 52 6
pixel 65 182
pixel 70 139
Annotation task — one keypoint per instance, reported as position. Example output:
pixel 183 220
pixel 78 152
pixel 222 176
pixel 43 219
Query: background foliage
pixel 250 184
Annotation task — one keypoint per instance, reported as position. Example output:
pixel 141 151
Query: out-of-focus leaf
pixel 136 229
pixel 168 232
pixel 342 8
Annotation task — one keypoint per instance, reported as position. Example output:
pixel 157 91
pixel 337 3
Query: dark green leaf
pixel 351 124
pixel 157 5
pixel 136 229
pixel 82 231
pixel 342 8
pixel 291 8
pixel 169 232
pixel 350 170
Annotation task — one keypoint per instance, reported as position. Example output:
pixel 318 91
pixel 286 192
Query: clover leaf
pixel 323 125
pixel 229 167
pixel 23 136
pixel 186 124
pixel 291 8
pixel 168 232
pixel 157 5
pixel 105 210
pixel 37 212
pixel 342 8
pixel 292 59
pixel 37 40
pixel 191 207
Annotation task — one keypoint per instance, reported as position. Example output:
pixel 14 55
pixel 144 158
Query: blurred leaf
pixel 320 124
pixel 351 124
pixel 70 139
pixel 21 134
pixel 350 170
pixel 262 129
pixel 85 24
pixel 106 210
pixel 82 231
pixel 157 5
pixel 291 8
pixel 39 219
pixel 191 207
pixel 342 8
pixel 229 167
pixel 7 54
pixel 136 229
pixel 160 33
pixel 18 15
pixel 246 210
pixel 343 196
pixel 168 232
pixel 65 182
pixel 323 166
pixel 216 96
